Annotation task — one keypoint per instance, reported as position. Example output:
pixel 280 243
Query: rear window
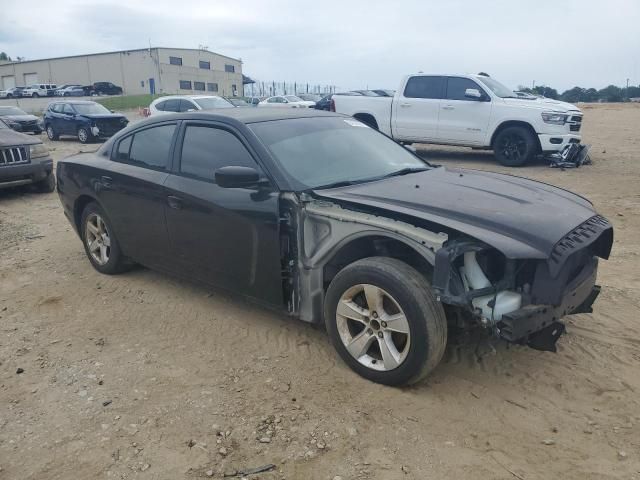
pixel 149 148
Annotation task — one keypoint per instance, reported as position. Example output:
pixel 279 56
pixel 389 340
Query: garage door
pixel 30 78
pixel 8 82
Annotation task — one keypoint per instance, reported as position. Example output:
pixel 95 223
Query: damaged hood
pixel 520 217
pixel 547 104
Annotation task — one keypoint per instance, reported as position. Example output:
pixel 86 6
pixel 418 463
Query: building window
pixel 205 65
pixel 198 86
pixel 234 90
pixel 185 85
pixel 175 60
pixel 212 87
pixel 230 68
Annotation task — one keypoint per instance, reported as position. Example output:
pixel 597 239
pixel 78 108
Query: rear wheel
pixel 51 133
pixel 515 146
pixel 385 322
pixel 100 244
pixel 35 95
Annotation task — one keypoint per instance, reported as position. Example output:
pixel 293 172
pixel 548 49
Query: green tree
pixel 611 94
pixel 5 57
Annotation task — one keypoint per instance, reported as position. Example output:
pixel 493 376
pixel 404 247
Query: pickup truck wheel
pixel 48 185
pixel 100 244
pixel 515 146
pixel 51 133
pixel 385 322
pixel 84 135
pixel 35 95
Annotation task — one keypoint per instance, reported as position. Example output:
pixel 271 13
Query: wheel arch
pixel 78 207
pixel 367 118
pixel 516 123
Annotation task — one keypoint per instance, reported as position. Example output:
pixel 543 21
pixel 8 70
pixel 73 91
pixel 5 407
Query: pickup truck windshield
pixel 322 152
pixel 497 88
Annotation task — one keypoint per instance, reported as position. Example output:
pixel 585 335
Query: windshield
pixel 209 103
pixel 12 111
pixel 496 87
pixel 317 152
pixel 293 98
pixel 90 109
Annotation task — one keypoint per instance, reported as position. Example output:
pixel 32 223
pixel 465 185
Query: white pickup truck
pixel 468 110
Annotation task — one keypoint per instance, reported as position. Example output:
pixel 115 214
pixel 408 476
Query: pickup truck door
pixel 463 119
pixel 415 109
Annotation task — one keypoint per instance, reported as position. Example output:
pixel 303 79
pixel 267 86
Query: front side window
pixel 209 103
pixel 498 88
pixel 175 60
pixel 68 109
pixel 346 149
pixel 205 149
pixel 122 152
pixel 456 86
pixel 424 87
pixel 198 86
pixel 205 65
pixel 185 85
pixel 172 105
pixel 230 68
pixel 150 147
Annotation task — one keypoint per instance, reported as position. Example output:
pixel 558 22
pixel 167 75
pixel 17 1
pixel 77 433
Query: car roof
pixel 243 115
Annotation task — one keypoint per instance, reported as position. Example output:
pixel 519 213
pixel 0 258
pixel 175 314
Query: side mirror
pixel 237 177
pixel 473 93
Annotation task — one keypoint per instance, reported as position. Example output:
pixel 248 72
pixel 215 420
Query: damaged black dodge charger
pixel 329 220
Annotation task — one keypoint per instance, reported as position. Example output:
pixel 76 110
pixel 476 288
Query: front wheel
pixel 35 95
pixel 515 146
pixel 84 135
pixel 385 322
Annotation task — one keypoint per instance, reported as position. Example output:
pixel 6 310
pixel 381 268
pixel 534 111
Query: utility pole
pixel 627 89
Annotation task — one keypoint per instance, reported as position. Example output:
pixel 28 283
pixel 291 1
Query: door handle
pixel 174 202
pixel 448 107
pixel 405 105
pixel 106 181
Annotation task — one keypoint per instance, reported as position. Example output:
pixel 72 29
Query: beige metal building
pixel 147 70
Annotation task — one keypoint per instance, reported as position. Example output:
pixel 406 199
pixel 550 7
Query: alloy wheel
pixel 82 135
pixel 97 239
pixel 50 133
pixel 373 328
pixel 513 147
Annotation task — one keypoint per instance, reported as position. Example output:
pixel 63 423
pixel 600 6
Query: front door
pixel 133 193
pixel 464 120
pixel 227 237
pixel 416 110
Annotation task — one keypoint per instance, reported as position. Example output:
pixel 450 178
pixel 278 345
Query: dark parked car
pixel 325 102
pixel 330 221
pixel 102 88
pixel 83 119
pixel 20 120
pixel 24 160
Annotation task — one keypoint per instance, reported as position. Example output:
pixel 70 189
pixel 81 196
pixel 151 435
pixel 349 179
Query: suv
pixel 24 160
pixel 14 92
pixel 104 88
pixel 82 119
pixel 39 90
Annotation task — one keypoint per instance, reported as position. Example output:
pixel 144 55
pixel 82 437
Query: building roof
pixel 118 51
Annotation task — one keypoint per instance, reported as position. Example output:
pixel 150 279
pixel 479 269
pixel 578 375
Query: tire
pixel 35 95
pixel 405 294
pixel 10 95
pixel 51 133
pixel 84 135
pixel 48 185
pixel 111 260
pixel 515 146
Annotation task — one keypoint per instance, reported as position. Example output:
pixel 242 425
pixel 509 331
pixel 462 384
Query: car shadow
pixel 469 157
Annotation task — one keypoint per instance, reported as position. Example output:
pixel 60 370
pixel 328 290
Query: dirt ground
pixel 145 376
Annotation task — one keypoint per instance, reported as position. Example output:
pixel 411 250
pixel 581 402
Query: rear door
pixel 67 123
pixel 227 237
pixel 133 194
pixel 464 119
pixel 416 109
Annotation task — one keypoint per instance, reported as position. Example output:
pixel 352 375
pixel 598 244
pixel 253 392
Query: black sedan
pixel 85 120
pixel 20 120
pixel 330 221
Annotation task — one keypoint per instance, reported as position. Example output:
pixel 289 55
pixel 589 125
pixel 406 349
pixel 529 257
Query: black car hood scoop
pixel 522 218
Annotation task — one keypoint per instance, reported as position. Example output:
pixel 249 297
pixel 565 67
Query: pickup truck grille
pixel 13 156
pixel 575 122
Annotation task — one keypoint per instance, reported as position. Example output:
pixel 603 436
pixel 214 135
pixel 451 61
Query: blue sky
pixel 354 44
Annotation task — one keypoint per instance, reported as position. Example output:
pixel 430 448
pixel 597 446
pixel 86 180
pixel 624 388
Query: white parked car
pixel 290 101
pixel 471 111
pixel 39 90
pixel 187 103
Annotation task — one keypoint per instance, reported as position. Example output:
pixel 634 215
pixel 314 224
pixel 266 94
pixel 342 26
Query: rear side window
pixel 160 106
pixel 456 87
pixel 186 105
pixel 149 148
pixel 172 105
pixel 205 149
pixel 424 87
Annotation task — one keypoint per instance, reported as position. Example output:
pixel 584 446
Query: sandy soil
pixel 145 376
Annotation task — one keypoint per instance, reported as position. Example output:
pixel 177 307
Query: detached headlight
pixel 554 118
pixel 38 151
